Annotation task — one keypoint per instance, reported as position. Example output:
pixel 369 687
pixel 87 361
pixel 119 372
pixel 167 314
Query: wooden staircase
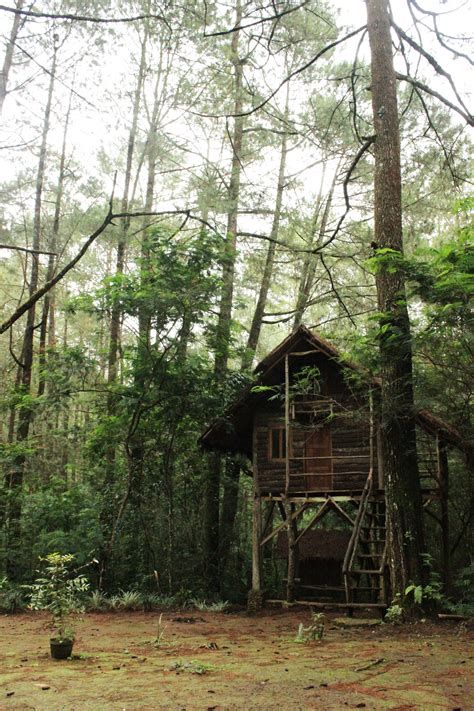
pixel 364 568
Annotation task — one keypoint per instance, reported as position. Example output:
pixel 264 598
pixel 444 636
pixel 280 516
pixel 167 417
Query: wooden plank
pixel 317 517
pixel 342 512
pixel 282 525
pixel 335 605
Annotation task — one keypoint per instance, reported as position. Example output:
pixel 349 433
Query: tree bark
pixel 308 273
pixel 8 59
pixel 223 329
pixel 116 312
pixel 25 412
pixel 257 319
pixel 405 533
pixel 48 303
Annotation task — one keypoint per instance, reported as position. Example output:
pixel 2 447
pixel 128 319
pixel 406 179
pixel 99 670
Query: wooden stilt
pixel 256 550
pixel 292 552
pixel 443 477
pixel 255 596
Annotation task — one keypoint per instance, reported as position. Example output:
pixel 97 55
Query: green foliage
pixel 314 631
pixel 305 381
pixel 126 600
pixel 464 586
pixel 204 606
pixel 193 667
pixel 62 517
pixel 395 614
pixel 13 597
pixel 61 592
pixel 420 594
pixel 160 632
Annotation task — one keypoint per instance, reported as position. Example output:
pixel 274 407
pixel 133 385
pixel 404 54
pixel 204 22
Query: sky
pixel 99 125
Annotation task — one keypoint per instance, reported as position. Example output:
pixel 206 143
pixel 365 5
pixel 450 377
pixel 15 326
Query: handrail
pixel 351 548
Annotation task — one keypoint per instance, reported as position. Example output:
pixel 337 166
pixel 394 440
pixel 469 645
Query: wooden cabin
pixel 309 425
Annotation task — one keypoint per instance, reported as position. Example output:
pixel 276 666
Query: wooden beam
pixel 256 526
pixel 268 517
pixel 287 425
pixel 283 524
pixel 317 517
pixel 292 550
pixel 443 478
pixel 341 511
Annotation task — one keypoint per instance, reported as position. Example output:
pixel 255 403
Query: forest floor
pixel 233 661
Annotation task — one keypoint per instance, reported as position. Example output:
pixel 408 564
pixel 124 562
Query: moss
pixel 253 661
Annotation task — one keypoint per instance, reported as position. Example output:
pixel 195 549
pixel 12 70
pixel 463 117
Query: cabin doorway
pixel 318 460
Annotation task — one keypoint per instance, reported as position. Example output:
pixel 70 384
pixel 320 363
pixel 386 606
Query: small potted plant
pixel 60 591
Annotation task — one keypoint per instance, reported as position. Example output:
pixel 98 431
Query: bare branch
pixel 335 291
pixel 288 78
pixel 238 27
pixel 455 52
pixel 80 18
pixel 26 305
pixel 27 249
pixel 345 186
pixel 436 66
pixel 469 118
pixel 110 216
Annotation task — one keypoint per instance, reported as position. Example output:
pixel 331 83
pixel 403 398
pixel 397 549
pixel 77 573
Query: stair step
pixel 366 572
pixel 370 555
pixel 372 540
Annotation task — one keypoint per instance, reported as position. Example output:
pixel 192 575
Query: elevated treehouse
pixel 309 423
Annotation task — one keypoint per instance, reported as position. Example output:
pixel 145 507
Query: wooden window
pixel 277 443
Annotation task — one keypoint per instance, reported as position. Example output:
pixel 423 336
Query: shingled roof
pixel 232 432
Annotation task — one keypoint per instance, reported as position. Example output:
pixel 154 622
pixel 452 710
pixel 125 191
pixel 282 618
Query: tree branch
pixel 80 18
pixel 27 249
pixel 436 66
pixel 23 308
pixel 424 87
pixel 345 185
pixel 289 77
pixel 238 27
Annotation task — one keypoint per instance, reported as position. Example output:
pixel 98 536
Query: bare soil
pixel 234 661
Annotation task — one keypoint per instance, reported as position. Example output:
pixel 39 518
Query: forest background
pixel 213 161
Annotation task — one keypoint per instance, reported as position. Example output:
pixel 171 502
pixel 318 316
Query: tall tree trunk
pixel 8 59
pixel 25 413
pixel 398 436
pixel 48 302
pixel 223 330
pixel 308 273
pixel 110 519
pixel 256 325
pixel 116 313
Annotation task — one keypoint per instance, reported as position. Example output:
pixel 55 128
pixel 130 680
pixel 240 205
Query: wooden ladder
pixel 364 568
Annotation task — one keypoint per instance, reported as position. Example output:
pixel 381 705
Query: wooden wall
pixel 350 454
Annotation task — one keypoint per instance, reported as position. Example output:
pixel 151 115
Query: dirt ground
pixel 233 661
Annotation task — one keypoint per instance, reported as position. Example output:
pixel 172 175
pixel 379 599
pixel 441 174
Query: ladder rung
pixel 366 572
pixel 369 555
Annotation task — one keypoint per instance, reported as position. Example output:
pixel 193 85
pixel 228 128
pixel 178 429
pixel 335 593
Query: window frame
pixel 281 430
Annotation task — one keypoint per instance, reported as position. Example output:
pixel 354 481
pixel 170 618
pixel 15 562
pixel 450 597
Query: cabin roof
pixel 232 431
pixel 294 340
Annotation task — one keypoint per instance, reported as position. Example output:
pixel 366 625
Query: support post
pixel 291 525
pixel 443 478
pixel 255 596
pixel 287 427
pixel 256 548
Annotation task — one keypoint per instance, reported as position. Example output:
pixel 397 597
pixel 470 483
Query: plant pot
pixel 61 648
